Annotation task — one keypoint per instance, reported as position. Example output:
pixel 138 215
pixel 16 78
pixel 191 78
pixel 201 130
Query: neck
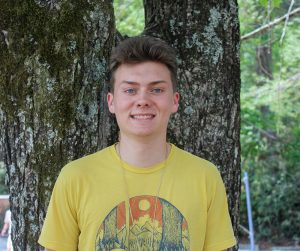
pixel 143 153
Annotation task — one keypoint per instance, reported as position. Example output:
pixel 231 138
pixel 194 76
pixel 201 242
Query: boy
pixel 141 193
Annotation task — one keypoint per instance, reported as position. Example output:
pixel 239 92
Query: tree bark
pixel 206 37
pixel 53 82
pixel 54 56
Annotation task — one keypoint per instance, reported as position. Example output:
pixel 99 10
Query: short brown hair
pixel 141 49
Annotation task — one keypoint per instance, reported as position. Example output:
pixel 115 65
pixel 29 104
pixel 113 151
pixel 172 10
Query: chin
pixel 143 133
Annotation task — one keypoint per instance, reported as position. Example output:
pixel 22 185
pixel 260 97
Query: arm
pixel 4 229
pixel 7 222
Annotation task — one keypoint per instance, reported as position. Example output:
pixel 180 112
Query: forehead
pixel 142 72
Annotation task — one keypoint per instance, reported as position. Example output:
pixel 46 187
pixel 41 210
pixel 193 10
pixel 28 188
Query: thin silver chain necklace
pixel 118 150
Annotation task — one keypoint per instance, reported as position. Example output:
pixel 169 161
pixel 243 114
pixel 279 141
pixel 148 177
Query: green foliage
pixel 129 15
pixel 275 3
pixel 270 129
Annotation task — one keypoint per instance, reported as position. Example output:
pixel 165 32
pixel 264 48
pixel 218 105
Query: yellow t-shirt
pixel 178 204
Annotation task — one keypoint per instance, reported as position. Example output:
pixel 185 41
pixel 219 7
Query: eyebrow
pixel 151 83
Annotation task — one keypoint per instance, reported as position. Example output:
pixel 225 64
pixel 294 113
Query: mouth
pixel 142 116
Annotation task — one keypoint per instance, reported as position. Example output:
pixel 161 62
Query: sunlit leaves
pixel 129 15
pixel 274 3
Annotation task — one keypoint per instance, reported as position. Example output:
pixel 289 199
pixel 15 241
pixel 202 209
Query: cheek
pixel 122 106
pixel 173 104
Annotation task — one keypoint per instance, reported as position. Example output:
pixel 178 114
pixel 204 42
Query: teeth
pixel 142 116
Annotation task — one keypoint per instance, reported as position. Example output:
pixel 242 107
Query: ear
pixel 110 102
pixel 175 102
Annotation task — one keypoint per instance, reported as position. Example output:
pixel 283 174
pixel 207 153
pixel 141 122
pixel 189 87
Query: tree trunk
pixel 53 76
pixel 206 37
pixel 53 81
pixel 264 63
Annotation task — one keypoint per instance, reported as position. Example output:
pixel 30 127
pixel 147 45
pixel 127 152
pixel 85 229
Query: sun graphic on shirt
pixel 144 205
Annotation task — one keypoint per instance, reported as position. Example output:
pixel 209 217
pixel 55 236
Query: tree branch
pixel 286 21
pixel 264 28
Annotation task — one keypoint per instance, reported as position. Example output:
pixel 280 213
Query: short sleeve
pixel 60 230
pixel 219 232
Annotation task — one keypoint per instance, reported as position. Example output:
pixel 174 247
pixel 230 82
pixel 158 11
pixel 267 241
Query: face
pixel 143 99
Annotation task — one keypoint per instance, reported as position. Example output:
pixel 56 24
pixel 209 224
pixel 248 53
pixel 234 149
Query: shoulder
pixel 197 172
pixel 193 163
pixel 88 164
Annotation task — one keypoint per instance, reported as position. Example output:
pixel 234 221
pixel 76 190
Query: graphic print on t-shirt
pixel 155 225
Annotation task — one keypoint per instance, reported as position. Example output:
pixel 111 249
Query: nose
pixel 143 100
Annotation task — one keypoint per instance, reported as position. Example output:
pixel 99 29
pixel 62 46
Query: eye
pixel 130 91
pixel 157 90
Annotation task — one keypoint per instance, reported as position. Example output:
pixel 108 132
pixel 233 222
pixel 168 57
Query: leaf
pixel 274 3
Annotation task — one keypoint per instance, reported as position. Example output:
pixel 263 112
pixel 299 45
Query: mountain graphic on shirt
pixel 135 229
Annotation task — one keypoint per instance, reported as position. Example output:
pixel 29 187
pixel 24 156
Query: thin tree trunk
pixel 53 76
pixel 264 62
pixel 206 37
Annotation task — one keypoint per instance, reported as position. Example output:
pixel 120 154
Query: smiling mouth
pixel 142 116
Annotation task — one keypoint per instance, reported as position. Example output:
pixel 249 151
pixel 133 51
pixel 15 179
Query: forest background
pixel 270 125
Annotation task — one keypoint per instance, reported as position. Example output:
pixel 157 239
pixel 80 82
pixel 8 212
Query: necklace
pixel 118 149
